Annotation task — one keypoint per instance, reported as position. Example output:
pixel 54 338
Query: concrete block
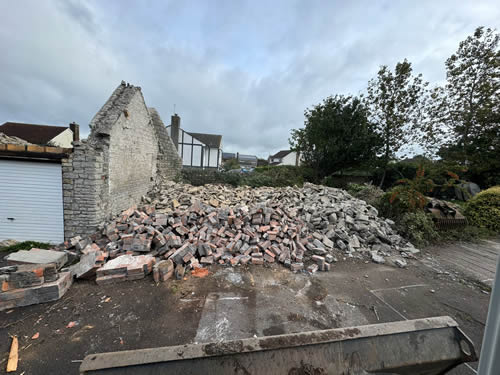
pixel 37 256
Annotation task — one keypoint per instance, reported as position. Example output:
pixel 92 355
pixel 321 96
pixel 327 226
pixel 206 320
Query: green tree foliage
pixel 465 114
pixel 337 135
pixel 395 105
pixel 484 209
pixel 231 164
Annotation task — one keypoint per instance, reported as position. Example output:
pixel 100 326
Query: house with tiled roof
pixel 199 150
pixel 285 157
pixel 44 135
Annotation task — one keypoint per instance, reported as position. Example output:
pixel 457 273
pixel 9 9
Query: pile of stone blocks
pixel 125 267
pixel 352 227
pixel 33 277
pixel 182 227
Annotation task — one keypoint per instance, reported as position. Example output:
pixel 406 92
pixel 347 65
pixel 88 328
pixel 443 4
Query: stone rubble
pixel 182 227
pixel 25 283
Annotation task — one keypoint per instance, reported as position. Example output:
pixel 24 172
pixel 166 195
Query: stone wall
pixel 169 161
pixel 133 156
pixel 84 189
pixel 125 154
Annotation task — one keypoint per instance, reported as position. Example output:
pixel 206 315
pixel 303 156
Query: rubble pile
pixel 33 277
pixel 350 223
pixel 182 227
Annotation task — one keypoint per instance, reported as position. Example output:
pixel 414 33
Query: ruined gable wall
pixel 124 155
pixel 133 152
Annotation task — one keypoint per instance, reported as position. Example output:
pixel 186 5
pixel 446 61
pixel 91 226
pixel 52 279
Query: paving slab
pixel 37 256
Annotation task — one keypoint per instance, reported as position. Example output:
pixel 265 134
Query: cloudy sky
pixel 243 69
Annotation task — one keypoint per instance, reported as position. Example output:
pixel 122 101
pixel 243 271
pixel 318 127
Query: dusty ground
pixel 234 303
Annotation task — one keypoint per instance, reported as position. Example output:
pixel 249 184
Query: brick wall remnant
pixel 125 154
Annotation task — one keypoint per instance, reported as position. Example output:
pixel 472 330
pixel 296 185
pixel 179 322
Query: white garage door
pixel 31 206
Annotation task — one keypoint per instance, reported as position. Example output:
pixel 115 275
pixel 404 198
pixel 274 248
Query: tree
pixel 465 113
pixel 231 164
pixel 337 135
pixel 395 106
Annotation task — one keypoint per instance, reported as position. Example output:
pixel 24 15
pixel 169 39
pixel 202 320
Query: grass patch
pixel 27 245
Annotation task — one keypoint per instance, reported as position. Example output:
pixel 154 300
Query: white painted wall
pixel 184 151
pixel 214 156
pixel 290 159
pixel 63 139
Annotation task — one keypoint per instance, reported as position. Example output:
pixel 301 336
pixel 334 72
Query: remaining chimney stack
pixel 75 128
pixel 175 129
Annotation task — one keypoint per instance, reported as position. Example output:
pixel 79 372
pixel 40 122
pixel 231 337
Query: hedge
pixel 483 210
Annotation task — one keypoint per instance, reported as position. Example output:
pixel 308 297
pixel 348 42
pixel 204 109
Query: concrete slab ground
pixel 234 303
pixel 476 260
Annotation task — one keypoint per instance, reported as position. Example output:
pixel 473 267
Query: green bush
pixel 369 193
pixel 483 210
pixel 231 164
pixel 198 176
pixel 279 176
pixel 353 188
pixel 27 245
pixel 418 228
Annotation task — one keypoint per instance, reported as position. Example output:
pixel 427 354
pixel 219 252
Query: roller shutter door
pixel 31 205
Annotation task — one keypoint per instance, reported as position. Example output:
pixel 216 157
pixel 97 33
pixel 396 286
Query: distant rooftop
pixel 33 133
pixel 281 154
pixel 211 140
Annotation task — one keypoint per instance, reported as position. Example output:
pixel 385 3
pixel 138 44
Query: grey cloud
pixel 246 70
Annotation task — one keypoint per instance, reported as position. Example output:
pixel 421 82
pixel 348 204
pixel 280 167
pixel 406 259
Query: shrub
pixel 408 196
pixel 353 188
pixel 369 193
pixel 418 228
pixel 27 245
pixel 483 210
pixel 231 164
pixel 279 176
pixel 198 176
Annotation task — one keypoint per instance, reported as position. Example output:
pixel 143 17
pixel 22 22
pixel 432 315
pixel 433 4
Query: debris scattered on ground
pixel 200 272
pixel 184 229
pixel 35 336
pixel 400 263
pixel 195 227
pixel 72 324
pixel 13 355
